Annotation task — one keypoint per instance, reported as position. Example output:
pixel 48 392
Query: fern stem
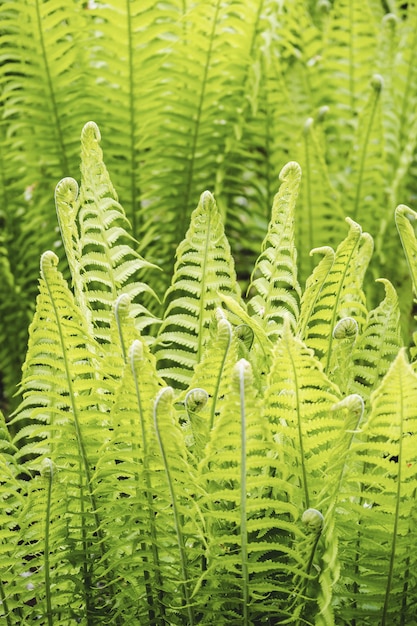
pixel 206 201
pixel 61 150
pixel 132 122
pixel 168 392
pixel 220 375
pixel 4 605
pixel 351 57
pixel 300 433
pixel 307 178
pixel 196 133
pixel 337 300
pixel 50 475
pixel 149 497
pixel 411 65
pixel 243 511
pixel 376 94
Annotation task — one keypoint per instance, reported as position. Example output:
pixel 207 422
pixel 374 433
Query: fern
pixel 97 242
pixel 204 269
pixel 341 289
pixel 298 401
pixel 384 503
pixel 274 282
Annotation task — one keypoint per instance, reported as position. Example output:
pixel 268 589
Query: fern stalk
pixel 199 111
pixel 376 84
pixel 241 367
pixel 165 396
pixel 61 151
pixel 136 355
pixel 223 323
pixel 49 474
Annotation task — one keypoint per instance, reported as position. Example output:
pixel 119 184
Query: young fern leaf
pixel 95 232
pixel 341 370
pixel 341 293
pixel 313 287
pixel 211 376
pixel 298 398
pixel 319 213
pixel 379 494
pixel 378 344
pixel 349 412
pixel 12 497
pixel 249 510
pixel 60 418
pixel 130 470
pixel 274 288
pixel 175 466
pixel 298 405
pixel 404 216
pixel 204 270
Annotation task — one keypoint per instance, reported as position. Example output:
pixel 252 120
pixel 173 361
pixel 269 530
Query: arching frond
pixel 378 344
pixel 274 287
pixel 97 241
pixel 319 214
pixel 341 294
pixel 379 494
pixel 249 511
pixel 203 271
pixel 298 404
pixel 404 218
pixel 60 425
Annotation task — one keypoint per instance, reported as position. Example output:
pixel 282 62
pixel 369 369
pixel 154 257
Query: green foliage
pixel 253 463
pixel 201 95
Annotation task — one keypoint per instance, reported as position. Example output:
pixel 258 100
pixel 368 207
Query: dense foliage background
pixel 212 95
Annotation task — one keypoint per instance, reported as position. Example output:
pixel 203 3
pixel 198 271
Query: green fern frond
pixel 382 463
pixel 298 398
pixel 298 404
pixel 364 189
pixel 211 376
pixel 319 215
pixel 99 248
pixel 130 470
pixel 251 518
pixel 274 288
pixel 404 218
pixel 313 287
pixel 62 419
pixel 378 344
pixel 203 271
pixel 348 56
pixel 341 293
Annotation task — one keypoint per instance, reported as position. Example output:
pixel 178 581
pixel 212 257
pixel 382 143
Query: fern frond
pixel 61 418
pixel 298 404
pixel 404 218
pixel 378 344
pixel 364 190
pixel 211 376
pixel 251 518
pixel 341 294
pixel 319 211
pixel 379 494
pixel 313 287
pixel 204 270
pixel 99 247
pixel 348 56
pixel 274 288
